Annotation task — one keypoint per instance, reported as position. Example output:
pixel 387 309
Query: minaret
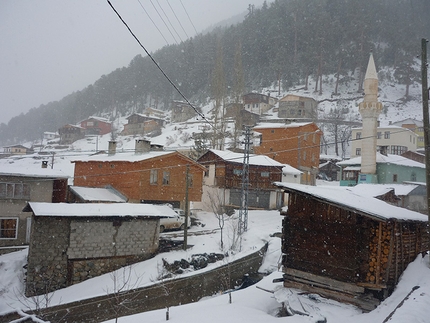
pixel 369 109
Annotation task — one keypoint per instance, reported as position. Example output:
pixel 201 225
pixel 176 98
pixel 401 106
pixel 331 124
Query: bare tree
pixel 122 292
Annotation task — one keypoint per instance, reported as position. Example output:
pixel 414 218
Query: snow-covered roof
pixel 129 156
pixel 344 196
pixel 31 171
pixel 281 125
pixel 145 116
pixel 99 209
pixel 374 190
pixel 259 160
pixel 287 169
pixel 103 194
pixel 97 118
pixel 382 159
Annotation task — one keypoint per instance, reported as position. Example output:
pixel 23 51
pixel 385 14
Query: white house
pixel 393 140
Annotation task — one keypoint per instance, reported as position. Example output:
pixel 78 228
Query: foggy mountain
pixel 290 41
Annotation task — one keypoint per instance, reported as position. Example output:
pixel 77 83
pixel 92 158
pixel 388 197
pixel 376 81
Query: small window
pixel 413 177
pixel 166 178
pixel 265 174
pixel 386 135
pixel 8 228
pixel 272 131
pixel 358 135
pixel 207 171
pixel 358 151
pixel 153 177
pixel 304 155
pixel 394 178
pixel 237 171
pixel 378 135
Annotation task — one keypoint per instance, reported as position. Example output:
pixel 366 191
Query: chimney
pixel 112 148
pixel 44 164
pixel 142 146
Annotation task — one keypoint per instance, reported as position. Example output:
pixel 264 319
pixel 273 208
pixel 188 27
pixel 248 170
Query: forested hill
pixel 286 39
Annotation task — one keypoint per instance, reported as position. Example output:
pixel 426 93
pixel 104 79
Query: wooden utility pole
pixel 187 180
pixel 425 91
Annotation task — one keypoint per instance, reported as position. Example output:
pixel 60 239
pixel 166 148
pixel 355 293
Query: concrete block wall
pixel 100 239
pixel 65 251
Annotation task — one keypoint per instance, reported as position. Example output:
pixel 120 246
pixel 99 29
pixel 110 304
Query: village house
pixel 414 125
pixel 143 176
pixel 258 103
pixel 346 246
pixel 223 180
pixel 17 187
pixel 295 144
pixel 140 124
pixel 96 126
pixel 329 171
pixel 393 140
pixel 182 111
pixel 410 195
pixel 240 115
pixel 296 106
pixel 390 169
pixel 418 156
pixel 74 242
pixel 70 133
pixel 16 150
pixel 50 135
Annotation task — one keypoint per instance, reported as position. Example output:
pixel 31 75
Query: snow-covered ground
pixel 254 304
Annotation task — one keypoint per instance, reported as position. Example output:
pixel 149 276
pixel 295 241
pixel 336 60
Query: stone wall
pixel 47 255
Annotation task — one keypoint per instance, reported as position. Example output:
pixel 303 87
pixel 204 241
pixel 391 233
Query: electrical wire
pixel 179 21
pixel 188 16
pixel 159 67
pixel 168 19
pixel 153 22
pixel 173 36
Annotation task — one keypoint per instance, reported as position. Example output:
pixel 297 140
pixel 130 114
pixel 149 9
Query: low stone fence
pixel 168 293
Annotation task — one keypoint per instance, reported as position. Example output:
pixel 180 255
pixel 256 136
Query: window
pixel 358 151
pixel 207 171
pixel 8 228
pixel 14 190
pixel 398 150
pixel 304 155
pixel 413 177
pixel 394 178
pixel 237 171
pixel 420 139
pixel 166 178
pixel 386 135
pixel 358 135
pixel 378 135
pixel 153 177
pixel 265 174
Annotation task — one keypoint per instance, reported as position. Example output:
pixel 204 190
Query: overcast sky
pixel 51 48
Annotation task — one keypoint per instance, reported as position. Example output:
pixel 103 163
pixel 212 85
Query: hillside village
pixel 142 166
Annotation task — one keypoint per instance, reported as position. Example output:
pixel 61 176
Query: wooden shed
pixel 346 246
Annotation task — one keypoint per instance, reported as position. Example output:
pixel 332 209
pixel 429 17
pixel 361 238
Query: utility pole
pixel 243 212
pixel 187 180
pixel 425 94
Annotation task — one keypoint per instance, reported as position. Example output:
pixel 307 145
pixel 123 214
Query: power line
pixel 159 67
pixel 164 22
pixel 188 16
pixel 153 22
pixel 179 21
pixel 168 19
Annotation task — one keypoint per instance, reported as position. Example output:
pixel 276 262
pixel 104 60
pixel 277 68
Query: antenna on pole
pixel 243 211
